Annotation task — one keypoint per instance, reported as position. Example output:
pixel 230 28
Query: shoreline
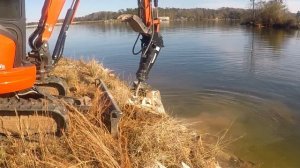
pixel 113 21
pixel 146 137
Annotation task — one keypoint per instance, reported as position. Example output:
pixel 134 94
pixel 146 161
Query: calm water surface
pixel 217 76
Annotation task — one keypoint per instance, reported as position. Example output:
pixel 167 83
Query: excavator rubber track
pixel 31 116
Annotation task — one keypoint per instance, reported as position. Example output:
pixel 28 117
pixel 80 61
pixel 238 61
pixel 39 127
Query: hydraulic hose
pixel 156 3
pixel 134 46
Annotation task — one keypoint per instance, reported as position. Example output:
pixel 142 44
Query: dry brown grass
pixel 144 139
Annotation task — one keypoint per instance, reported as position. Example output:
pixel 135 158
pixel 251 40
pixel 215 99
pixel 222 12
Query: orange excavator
pixel 23 74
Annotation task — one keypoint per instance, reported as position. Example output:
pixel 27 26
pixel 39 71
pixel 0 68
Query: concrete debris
pixel 86 101
pixel 159 165
pixel 153 101
pixel 107 71
pixel 217 165
pixel 184 165
pixel 112 75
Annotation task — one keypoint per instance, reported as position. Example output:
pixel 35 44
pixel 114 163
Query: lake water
pixel 217 76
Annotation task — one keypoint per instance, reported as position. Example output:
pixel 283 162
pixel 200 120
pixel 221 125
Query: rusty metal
pixel 113 113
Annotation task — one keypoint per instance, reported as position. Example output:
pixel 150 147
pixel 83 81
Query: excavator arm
pixel 152 41
pixel 49 16
pixel 38 41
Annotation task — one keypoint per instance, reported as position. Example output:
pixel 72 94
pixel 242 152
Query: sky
pixel 89 6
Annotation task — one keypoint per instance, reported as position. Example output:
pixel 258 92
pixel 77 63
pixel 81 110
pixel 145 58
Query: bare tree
pixel 253 10
pixel 298 16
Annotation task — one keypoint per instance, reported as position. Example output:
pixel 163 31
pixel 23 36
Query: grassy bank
pixel 146 138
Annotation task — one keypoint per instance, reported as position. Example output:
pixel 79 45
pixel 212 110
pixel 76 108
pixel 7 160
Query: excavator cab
pixel 15 73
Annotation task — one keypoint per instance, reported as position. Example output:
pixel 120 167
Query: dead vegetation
pixel 145 138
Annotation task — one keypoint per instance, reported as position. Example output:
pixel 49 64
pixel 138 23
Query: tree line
pixel 194 14
pixel 272 13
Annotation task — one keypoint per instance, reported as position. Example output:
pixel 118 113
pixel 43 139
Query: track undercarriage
pixel 30 116
pixel 36 110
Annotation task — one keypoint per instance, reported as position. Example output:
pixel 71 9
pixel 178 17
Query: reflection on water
pixel 262 123
pixel 275 38
pixel 216 74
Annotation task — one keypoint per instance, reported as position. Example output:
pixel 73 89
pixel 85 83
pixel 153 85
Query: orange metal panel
pixel 156 23
pixel 53 9
pixel 7 53
pixel 147 13
pixel 17 79
pixel 148 16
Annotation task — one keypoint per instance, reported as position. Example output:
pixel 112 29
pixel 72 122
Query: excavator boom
pixel 50 14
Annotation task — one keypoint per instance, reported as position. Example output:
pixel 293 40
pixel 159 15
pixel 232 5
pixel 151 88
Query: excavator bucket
pixel 136 23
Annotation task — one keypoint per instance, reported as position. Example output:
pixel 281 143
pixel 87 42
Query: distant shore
pixel 258 25
pixel 33 25
pixel 275 26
